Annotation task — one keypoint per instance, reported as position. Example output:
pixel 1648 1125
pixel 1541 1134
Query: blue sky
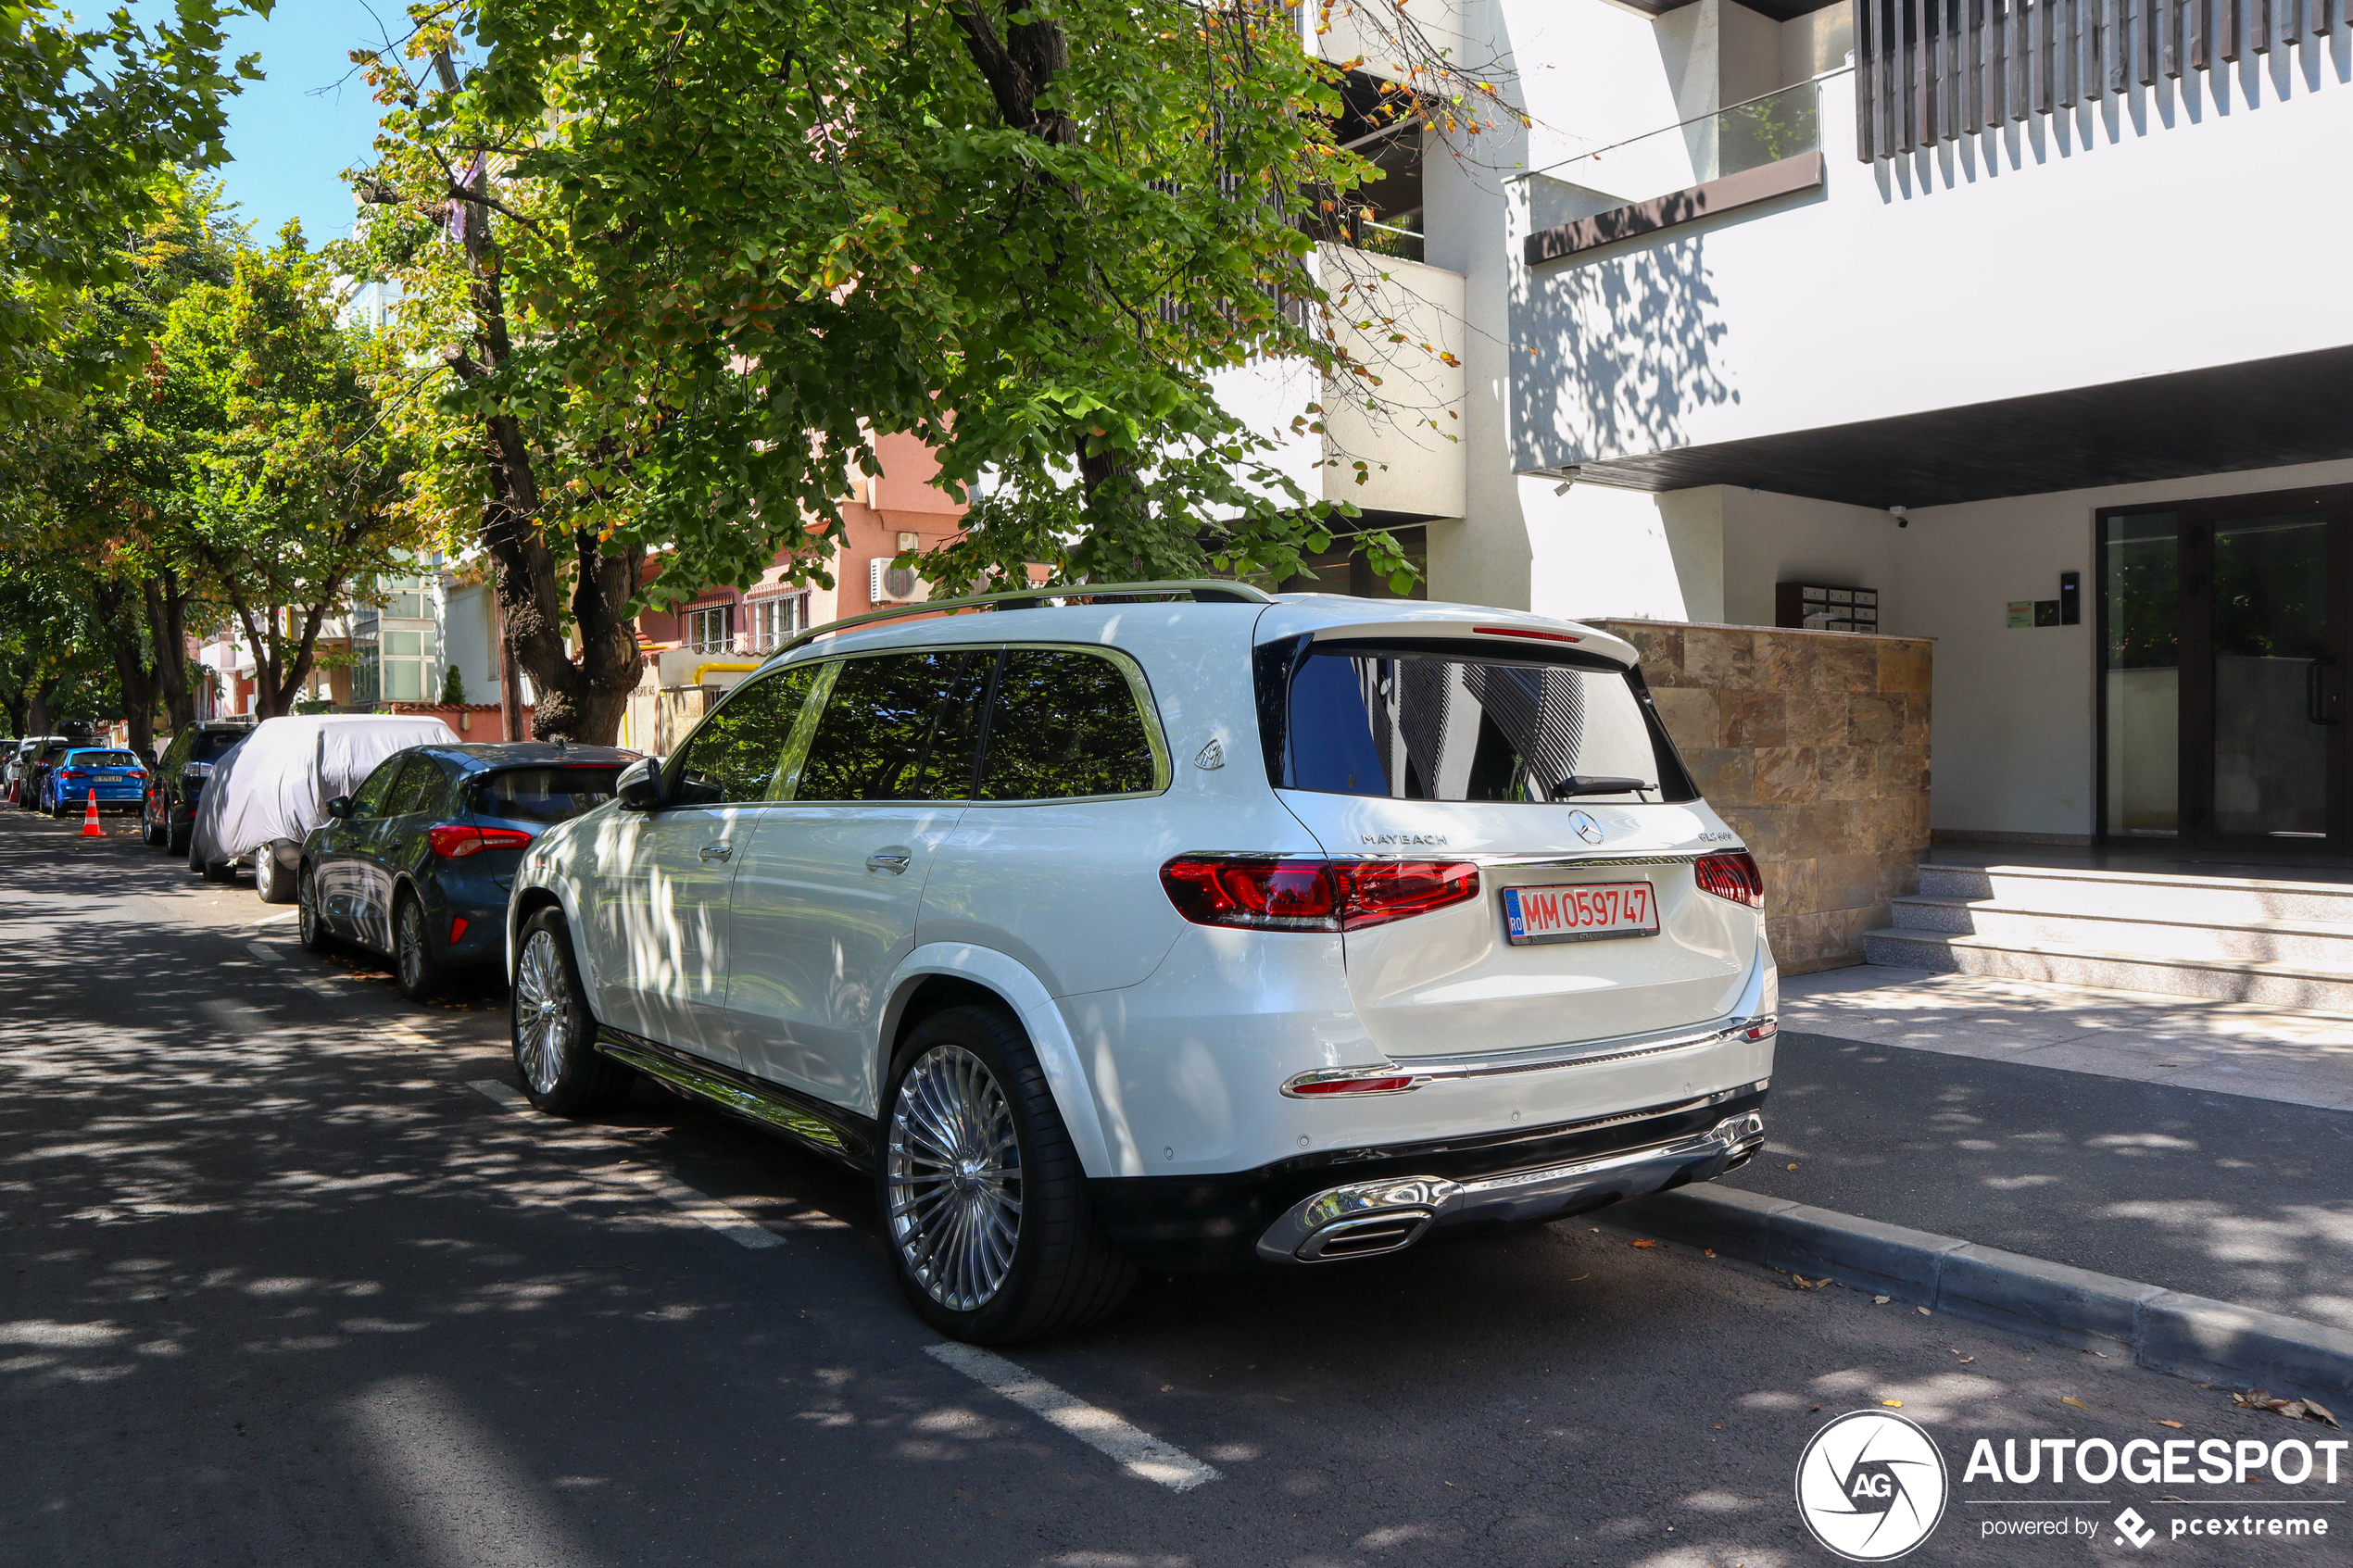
pixel 293 134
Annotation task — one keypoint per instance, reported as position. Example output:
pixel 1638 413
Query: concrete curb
pixel 2162 1330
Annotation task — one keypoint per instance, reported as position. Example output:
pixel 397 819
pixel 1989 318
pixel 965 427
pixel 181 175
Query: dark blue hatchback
pixel 418 863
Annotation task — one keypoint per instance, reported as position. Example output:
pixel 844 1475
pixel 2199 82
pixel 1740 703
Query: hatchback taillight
pixel 455 841
pixel 1269 893
pixel 1733 875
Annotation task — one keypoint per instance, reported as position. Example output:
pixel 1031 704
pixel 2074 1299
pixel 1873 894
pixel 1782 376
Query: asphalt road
pixel 278 1287
pixel 2227 1196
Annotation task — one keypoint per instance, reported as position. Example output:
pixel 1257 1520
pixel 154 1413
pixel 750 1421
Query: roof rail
pixel 1206 590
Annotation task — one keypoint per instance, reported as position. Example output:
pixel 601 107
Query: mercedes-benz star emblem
pixel 1586 828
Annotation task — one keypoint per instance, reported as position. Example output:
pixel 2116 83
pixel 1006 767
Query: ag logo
pixel 1870 1485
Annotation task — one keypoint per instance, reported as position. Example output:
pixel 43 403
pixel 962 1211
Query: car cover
pixel 275 783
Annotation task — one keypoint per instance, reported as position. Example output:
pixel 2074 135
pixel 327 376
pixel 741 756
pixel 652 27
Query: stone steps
pixel 2280 944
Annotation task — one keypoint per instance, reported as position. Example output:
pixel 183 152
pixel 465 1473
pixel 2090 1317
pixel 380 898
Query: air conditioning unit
pixel 888 584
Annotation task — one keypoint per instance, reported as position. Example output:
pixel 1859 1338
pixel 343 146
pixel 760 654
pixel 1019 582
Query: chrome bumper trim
pixel 1318 1229
pixel 1543 1059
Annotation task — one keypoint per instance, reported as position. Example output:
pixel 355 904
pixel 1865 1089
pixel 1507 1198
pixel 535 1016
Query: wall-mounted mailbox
pixel 1816 607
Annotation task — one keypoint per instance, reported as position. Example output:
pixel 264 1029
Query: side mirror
pixel 340 807
pixel 640 786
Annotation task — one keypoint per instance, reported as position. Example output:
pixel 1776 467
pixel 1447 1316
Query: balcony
pixel 1752 152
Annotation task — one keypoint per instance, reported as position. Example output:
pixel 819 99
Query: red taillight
pixel 455 841
pixel 1388 1085
pixel 1733 875
pixel 1300 895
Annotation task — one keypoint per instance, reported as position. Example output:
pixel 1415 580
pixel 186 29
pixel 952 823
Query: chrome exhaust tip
pixel 1365 1237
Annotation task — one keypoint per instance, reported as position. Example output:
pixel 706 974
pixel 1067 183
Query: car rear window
pixel 1452 725
pixel 104 759
pixel 544 795
pixel 213 744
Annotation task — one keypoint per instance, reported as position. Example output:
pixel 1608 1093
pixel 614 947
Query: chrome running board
pixel 827 1129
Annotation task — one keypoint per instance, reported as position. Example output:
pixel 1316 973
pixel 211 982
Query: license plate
pixel 1581 912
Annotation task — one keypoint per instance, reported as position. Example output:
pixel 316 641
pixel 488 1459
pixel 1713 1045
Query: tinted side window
pixel 420 788
pixel 734 752
pixel 369 802
pixel 899 726
pixel 1063 724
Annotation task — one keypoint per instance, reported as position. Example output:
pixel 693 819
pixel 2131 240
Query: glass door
pixel 2222 626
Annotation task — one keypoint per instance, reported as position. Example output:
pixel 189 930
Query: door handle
pixel 893 864
pixel 2316 691
pixel 717 851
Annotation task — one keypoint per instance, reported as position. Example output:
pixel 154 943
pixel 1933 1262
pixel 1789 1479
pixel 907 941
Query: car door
pixel 424 797
pixel 342 873
pixel 661 959
pixel 825 900
pixel 375 841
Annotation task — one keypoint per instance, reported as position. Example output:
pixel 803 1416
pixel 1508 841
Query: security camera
pixel 1898 513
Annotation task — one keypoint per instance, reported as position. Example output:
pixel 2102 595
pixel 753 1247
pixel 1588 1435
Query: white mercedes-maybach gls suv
pixel 1179 926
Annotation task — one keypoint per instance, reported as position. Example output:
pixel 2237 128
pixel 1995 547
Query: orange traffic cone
pixel 90 828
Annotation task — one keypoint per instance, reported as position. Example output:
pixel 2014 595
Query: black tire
pixel 152 836
pixel 413 965
pixel 1064 1272
pixel 309 925
pixel 272 883
pixel 178 838
pixel 572 1078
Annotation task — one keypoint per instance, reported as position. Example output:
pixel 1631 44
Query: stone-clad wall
pixel 1814 746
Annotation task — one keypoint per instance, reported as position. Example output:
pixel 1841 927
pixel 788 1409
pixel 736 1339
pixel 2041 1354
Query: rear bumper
pixel 1322 1208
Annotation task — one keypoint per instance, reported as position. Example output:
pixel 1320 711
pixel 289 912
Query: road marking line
pixel 311 984
pixel 278 920
pixel 733 1224
pixel 1137 1452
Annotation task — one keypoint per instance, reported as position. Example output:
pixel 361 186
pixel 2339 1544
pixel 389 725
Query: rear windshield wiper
pixel 1598 784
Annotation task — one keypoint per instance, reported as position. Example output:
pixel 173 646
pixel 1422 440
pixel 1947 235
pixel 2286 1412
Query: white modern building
pixel 2026 319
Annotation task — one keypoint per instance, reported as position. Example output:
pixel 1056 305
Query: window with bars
pixel 711 629
pixel 777 619
pixel 1931 70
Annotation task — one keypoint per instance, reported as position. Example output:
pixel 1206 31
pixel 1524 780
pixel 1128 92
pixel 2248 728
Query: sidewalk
pixel 2207 1148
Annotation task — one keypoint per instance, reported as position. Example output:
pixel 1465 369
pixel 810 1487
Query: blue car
pixel 418 863
pixel 118 778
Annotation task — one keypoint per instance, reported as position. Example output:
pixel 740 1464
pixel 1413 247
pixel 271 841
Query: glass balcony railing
pixel 1779 125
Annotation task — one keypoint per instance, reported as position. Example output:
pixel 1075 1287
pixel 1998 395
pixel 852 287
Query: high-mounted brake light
pixel 455 841
pixel 1269 893
pixel 1523 631
pixel 1731 874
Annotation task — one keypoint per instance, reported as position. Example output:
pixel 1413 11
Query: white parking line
pixel 317 988
pixel 1137 1452
pixel 733 1224
pixel 278 920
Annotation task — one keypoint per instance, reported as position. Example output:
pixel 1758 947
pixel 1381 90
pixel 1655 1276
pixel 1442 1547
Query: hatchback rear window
pixel 104 759
pixel 1442 725
pixel 544 795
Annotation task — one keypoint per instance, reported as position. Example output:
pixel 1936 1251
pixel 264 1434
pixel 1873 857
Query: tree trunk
pixel 41 721
pixel 128 644
pixel 167 626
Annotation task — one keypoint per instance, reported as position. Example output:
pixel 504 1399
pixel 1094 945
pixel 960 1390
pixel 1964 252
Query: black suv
pixel 168 812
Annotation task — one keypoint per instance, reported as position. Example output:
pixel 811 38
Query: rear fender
pixel 1027 996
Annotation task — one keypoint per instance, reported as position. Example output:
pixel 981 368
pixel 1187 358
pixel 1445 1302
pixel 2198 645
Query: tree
pixel 91 118
pixel 289 476
pixel 678 265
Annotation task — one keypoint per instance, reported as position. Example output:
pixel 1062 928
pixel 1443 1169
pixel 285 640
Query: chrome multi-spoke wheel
pixel 952 1178
pixel 543 1011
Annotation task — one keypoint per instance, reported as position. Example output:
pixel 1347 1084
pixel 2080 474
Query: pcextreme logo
pixel 1872 1485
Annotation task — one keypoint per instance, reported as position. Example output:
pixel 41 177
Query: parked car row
pixel 1185 927
pixel 30 782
